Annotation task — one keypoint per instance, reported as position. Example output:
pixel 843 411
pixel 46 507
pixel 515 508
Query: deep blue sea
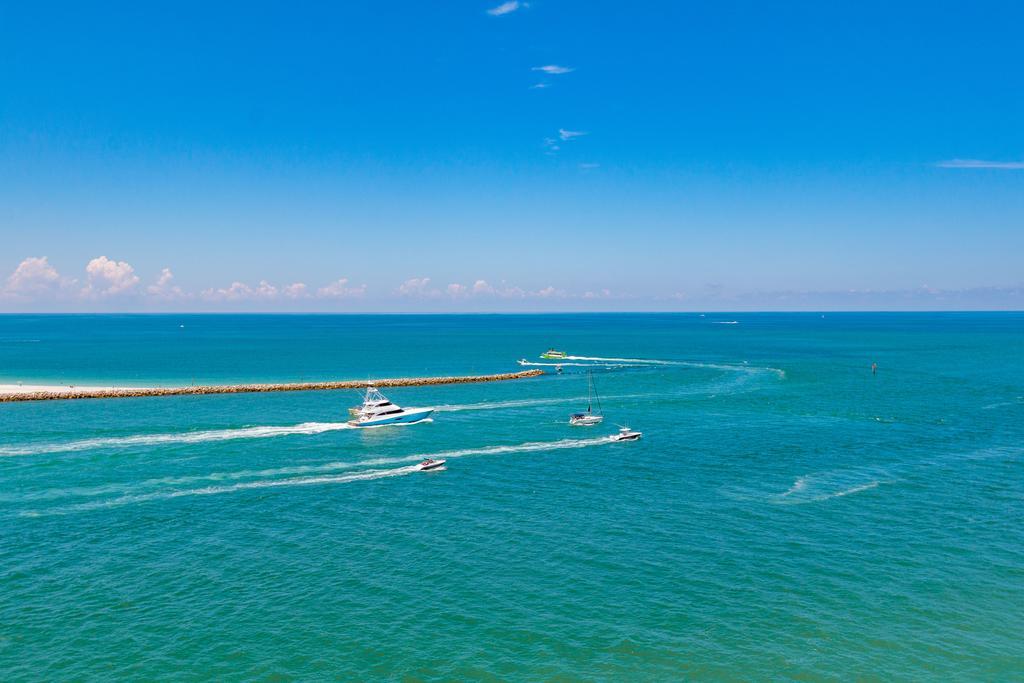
pixel 788 514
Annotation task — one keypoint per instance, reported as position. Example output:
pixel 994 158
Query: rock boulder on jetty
pixel 72 393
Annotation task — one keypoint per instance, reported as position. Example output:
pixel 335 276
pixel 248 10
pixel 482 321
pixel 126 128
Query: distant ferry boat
pixel 551 354
pixel 378 410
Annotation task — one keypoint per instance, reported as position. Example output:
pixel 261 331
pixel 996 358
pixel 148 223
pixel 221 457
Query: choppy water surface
pixel 787 514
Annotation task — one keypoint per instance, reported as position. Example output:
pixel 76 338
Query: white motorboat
pixel 626 434
pixel 431 464
pixel 377 410
pixel 589 418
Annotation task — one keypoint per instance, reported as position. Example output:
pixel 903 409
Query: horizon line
pixel 574 312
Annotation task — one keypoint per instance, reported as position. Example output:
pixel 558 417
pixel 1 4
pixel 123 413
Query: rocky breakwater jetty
pixel 69 393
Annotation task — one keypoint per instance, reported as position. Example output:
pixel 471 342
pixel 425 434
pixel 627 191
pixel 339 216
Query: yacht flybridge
pixel 377 410
pixel 589 418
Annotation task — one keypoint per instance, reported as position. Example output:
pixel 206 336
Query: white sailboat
pixel 589 418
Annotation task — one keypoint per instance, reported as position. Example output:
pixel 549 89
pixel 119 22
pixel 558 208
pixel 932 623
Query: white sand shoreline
pixel 58 388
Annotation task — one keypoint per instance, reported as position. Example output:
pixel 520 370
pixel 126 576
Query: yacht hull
pixel 405 417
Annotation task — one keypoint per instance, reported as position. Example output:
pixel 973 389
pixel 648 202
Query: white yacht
pixel 377 410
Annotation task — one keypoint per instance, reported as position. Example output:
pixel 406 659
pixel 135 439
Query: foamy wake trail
pixel 829 484
pixel 496 405
pixel 855 489
pixel 640 361
pixel 744 367
pixel 808 489
pixel 798 486
pixel 314 474
pixel 178 438
pixel 213 490
pixel 609 364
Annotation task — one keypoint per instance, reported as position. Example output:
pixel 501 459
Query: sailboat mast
pixel 590 389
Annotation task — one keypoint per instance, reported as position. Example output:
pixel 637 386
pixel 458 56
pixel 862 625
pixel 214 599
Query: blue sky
pixel 489 156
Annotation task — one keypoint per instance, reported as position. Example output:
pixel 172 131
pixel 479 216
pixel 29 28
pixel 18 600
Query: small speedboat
pixel 430 464
pixel 551 354
pixel 523 361
pixel 377 410
pixel 626 434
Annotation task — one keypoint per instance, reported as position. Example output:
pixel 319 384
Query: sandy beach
pixel 57 388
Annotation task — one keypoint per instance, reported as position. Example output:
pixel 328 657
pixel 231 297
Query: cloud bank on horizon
pixel 35 284
pixel 36 281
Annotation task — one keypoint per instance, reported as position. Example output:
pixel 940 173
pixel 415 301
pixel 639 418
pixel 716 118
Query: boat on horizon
pixel 552 354
pixel 589 418
pixel 377 410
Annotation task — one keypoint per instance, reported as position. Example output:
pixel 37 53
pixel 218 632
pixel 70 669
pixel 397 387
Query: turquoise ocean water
pixel 786 515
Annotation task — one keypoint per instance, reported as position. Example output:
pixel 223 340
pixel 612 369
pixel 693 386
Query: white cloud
pixel 600 294
pixel 589 166
pixel 540 86
pixel 33 276
pixel 296 290
pixel 417 286
pixel 108 277
pixel 265 291
pixel 553 69
pixel 549 292
pixel 483 289
pixel 165 278
pixel 238 291
pixel 981 163
pixel 569 134
pixel 163 289
pixel 552 145
pixel 339 289
pixel 506 8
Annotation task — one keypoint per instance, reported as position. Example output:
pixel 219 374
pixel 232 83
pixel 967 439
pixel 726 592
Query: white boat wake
pixel 496 405
pixel 639 361
pixel 744 367
pixel 259 432
pixel 800 492
pixel 582 365
pixel 314 474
